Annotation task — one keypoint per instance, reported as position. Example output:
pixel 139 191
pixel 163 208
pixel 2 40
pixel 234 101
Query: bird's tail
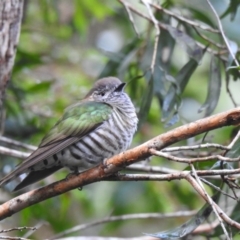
pixel 8 178
pixel 35 176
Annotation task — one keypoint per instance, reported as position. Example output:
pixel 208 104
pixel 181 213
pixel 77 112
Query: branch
pixel 13 153
pixel 118 162
pixel 193 160
pixel 17 143
pixel 196 147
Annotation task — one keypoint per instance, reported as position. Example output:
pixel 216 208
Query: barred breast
pixel 111 138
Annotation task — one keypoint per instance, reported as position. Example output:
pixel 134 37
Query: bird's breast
pixel 112 137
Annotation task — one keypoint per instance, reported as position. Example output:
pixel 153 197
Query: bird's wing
pixel 77 121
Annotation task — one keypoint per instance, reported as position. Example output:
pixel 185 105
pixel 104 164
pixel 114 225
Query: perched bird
pixel 90 131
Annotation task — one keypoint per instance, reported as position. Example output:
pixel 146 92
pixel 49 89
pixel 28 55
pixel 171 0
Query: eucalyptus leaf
pixel 159 78
pixel 234 71
pixel 172 96
pixel 80 20
pixel 40 87
pixel 26 59
pixel 187 43
pixel 189 226
pixel 174 119
pixel 199 15
pixel 214 88
pixel 232 9
pixel 121 59
pixel 146 102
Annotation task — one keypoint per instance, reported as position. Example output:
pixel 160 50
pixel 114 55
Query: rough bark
pixel 10 25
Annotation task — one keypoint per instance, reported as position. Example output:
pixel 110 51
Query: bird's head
pixel 106 90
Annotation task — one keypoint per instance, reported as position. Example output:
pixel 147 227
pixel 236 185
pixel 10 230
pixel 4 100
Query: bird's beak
pixel 120 87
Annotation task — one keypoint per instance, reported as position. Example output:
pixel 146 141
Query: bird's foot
pixel 74 171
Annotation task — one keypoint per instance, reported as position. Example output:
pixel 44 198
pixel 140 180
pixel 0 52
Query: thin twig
pixel 124 218
pixel 209 173
pixel 236 138
pixel 17 143
pixel 209 200
pixel 17 229
pixel 182 19
pixel 194 147
pixel 192 160
pixel 228 220
pixel 163 26
pixel 229 92
pixel 131 18
pixel 36 227
pixel 218 45
pixel 150 169
pixel 166 177
pixel 222 32
pixel 216 188
pixel 13 238
pixel 13 153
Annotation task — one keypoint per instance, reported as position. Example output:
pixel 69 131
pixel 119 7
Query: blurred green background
pixel 64 47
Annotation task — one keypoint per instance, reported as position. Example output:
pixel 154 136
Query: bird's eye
pixel 102 94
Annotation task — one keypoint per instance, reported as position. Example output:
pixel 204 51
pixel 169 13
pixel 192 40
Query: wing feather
pixel 77 121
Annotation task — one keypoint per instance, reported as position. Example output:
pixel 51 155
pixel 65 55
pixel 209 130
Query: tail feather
pixel 35 176
pixel 9 178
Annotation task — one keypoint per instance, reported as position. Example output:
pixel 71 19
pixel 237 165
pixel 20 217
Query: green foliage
pixel 58 60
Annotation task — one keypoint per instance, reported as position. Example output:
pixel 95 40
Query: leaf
pixel 49 13
pixel 79 19
pixel 116 60
pixel 26 59
pixel 176 89
pixel 232 9
pixel 214 88
pixel 174 119
pixel 97 9
pixel 198 14
pixel 189 226
pixel 40 87
pixel 235 72
pixel 166 44
pixel 123 66
pixel 186 42
pixel 159 78
pixel 146 102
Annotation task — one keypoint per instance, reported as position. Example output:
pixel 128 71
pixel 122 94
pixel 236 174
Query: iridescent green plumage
pixel 78 120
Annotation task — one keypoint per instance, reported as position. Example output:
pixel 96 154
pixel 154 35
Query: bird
pixel 90 131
